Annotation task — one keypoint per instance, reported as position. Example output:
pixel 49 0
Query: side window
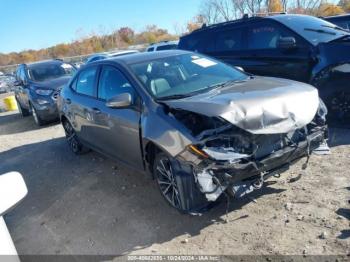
pixel 85 81
pixel 200 42
pixel 150 49
pixel 228 40
pixel 265 35
pixel 73 85
pixel 112 82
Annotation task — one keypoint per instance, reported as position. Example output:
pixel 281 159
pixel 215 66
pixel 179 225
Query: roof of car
pixel 145 56
pixel 245 19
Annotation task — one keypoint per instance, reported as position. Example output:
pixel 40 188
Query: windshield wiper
pixel 321 31
pixel 178 96
pixel 226 83
pixel 336 28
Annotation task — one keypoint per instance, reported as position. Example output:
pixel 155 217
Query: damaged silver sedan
pixel 203 129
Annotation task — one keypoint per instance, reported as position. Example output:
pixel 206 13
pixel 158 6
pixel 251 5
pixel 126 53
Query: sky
pixel 35 24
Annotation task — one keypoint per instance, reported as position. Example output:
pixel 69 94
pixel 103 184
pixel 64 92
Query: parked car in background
pixel 342 21
pixel 297 47
pixel 12 190
pixel 38 86
pixel 3 85
pixel 78 64
pixel 105 55
pixel 201 127
pixel 164 45
pixel 7 82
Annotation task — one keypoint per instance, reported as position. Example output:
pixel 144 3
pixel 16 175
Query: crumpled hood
pixel 55 83
pixel 261 105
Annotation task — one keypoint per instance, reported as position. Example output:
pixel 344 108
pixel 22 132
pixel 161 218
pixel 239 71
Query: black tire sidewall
pixel 191 199
pixel 39 121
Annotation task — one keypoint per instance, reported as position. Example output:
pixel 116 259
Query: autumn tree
pixel 196 23
pixel 126 34
pixel 275 6
pixel 329 9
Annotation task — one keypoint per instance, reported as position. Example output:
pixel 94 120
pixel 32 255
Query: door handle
pixel 96 110
pixel 68 101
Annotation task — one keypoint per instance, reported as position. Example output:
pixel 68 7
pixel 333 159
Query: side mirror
pixel 287 42
pixel 120 101
pixel 12 190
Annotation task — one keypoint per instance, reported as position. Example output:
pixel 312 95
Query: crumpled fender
pixel 165 132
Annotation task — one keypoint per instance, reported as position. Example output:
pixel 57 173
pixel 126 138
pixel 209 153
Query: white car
pixel 12 190
pixel 164 45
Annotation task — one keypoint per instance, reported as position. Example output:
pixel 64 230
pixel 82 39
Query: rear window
pixel 86 81
pixel 199 42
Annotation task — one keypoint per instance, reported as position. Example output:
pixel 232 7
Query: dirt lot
pixel 90 205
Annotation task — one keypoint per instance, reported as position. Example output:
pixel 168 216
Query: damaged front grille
pixel 240 144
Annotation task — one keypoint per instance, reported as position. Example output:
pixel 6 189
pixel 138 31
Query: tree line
pixel 214 11
pixel 91 43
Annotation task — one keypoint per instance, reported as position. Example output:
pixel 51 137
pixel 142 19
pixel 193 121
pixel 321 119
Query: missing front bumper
pixel 243 177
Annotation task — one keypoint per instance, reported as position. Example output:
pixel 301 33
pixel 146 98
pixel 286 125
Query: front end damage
pixel 226 158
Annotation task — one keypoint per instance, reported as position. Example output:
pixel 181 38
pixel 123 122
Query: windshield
pixel 184 75
pixel 43 72
pixel 313 29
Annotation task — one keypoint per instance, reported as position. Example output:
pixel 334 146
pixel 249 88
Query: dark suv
pixel 296 47
pixel 37 86
pixel 340 20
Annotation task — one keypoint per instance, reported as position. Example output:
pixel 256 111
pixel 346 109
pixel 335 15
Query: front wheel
pixel 24 112
pixel 177 184
pixel 36 117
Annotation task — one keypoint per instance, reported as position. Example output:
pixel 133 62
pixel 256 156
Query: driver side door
pixel 263 56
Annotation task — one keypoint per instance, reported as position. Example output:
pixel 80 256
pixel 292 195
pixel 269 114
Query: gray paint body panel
pixel 260 106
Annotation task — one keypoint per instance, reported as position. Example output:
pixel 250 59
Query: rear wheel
pixel 75 145
pixel 177 184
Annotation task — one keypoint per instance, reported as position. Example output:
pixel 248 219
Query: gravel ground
pixel 91 205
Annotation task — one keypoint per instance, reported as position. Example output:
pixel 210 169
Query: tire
pixel 24 112
pixel 36 117
pixel 339 108
pixel 177 185
pixel 75 145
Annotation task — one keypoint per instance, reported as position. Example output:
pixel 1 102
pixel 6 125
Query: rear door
pixel 117 129
pixel 81 103
pixel 261 54
pixel 228 45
